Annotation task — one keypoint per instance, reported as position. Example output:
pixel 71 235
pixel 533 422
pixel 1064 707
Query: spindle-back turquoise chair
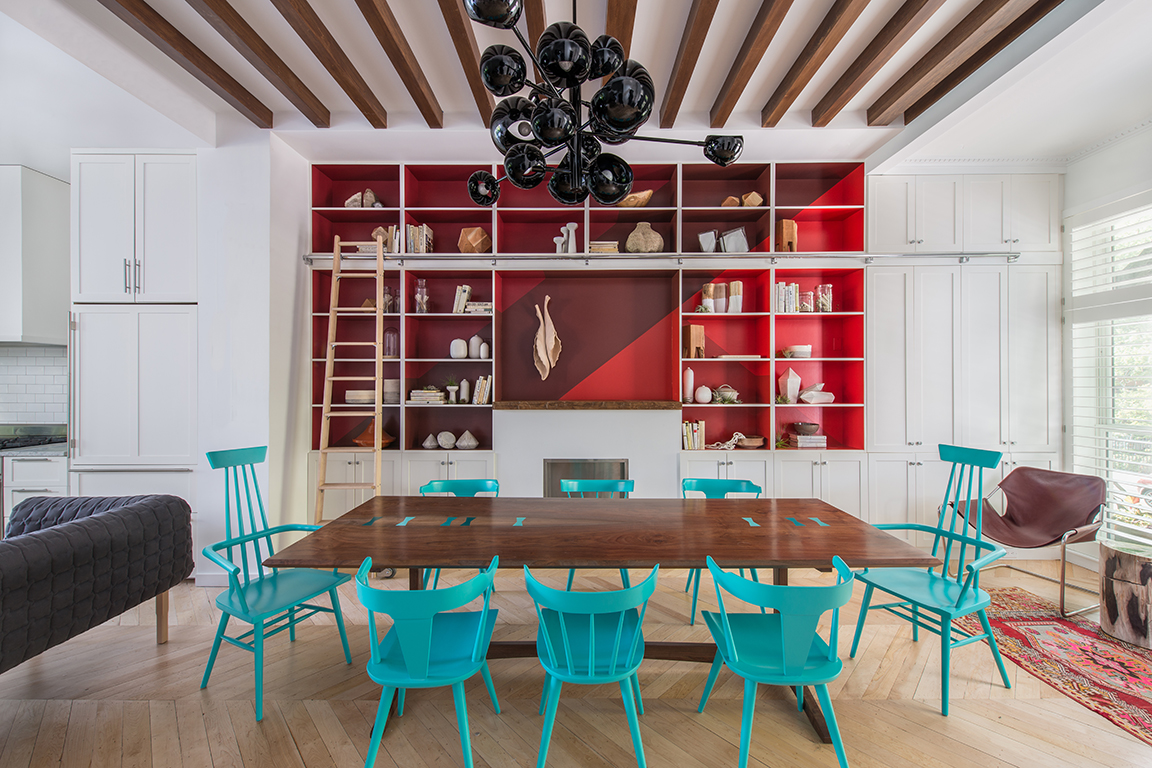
pixel 429 645
pixel 271 600
pixel 932 599
pixel 456 488
pixel 780 648
pixel 588 488
pixel 590 638
pixel 713 488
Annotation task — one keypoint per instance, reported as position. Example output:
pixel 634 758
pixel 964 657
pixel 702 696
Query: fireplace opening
pixel 556 470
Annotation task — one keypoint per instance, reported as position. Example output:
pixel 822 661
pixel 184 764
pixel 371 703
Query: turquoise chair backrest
pixel 963 501
pixel 581 488
pixel 718 489
pixel 604 609
pixel 460 487
pixel 800 608
pixel 413 613
pixel 241 516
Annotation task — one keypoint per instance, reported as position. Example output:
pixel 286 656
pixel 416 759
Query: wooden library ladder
pixel 334 310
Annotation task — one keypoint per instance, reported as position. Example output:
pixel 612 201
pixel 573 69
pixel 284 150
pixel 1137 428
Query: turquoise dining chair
pixel 782 648
pixel 713 488
pixel 431 644
pixel 933 598
pixel 597 489
pixel 590 638
pixel 271 600
pixel 456 488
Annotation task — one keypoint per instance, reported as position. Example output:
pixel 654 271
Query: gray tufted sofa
pixel 68 564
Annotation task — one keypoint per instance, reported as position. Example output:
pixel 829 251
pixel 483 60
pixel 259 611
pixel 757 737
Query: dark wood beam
pixel 760 36
pixel 824 40
pixel 387 30
pixel 302 18
pixel 233 28
pixel 970 35
pixel 460 28
pixel 695 30
pixel 534 15
pixel 903 24
pixel 981 57
pixel 621 20
pixel 155 29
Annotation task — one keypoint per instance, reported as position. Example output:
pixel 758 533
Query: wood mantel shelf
pixel 586 405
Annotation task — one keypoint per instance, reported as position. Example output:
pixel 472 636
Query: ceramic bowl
pixel 804 427
pixel 750 441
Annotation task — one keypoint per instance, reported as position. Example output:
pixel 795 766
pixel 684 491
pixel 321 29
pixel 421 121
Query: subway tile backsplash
pixel 33 385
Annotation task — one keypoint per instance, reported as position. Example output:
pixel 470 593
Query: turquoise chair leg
pixel 491 688
pixel 434 574
pixel 746 721
pixel 544 695
pixel 799 698
pixel 462 723
pixel 915 623
pixel 860 621
pixel 716 664
pixel 549 719
pixel 624 578
pixel 340 623
pixel 995 649
pixel 400 702
pixel 378 727
pixel 571 573
pixel 945 661
pixel 258 647
pixel 691 575
pixel 292 624
pixel 636 693
pixel 695 596
pixel 633 722
pixel 215 648
pixel 830 719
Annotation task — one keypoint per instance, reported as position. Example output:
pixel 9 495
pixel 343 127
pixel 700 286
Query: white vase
pixel 689 388
pixel 703 394
pixel 458 349
pixel 452 393
pixel 485 351
pixel 474 345
pixel 465 391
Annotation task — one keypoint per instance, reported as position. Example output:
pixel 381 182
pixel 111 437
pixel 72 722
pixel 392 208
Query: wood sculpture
pixel 546 345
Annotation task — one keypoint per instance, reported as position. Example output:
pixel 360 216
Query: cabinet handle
pixel 729 463
pixel 823 463
pixel 450 463
pixel 918 242
pixel 14 458
pixel 919 443
pixel 443 463
pixel 815 463
pixel 1016 240
pixel 911 242
pixel 720 464
pixel 911 463
pixel 137 280
pixel 911 443
pixel 349 463
pixel 127 277
pixel 1012 443
pixel 919 463
pixel 31 490
pixel 1007 240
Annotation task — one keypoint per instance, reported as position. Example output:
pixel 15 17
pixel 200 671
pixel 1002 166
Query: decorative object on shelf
pixel 391 349
pixel 485 351
pixel 430 442
pixel 465 392
pixel 360 396
pixel 467 441
pixel 429 395
pixel 389 302
pixel 786 235
pixel 356 201
pixel 726 395
pixel 369 199
pixel 720 298
pixel 689 385
pixel 789 386
pixel 570 245
pixel 734 241
pixel 474 345
pixel 636 199
pixel 797 350
pixel 824 297
pixel 368 304
pixel 644 239
pixel 735 297
pixel 367 438
pixel 458 349
pixel 693 341
pixel 522 129
pixel 446 440
pixel 421 296
pixel 452 390
pixel 751 441
pixel 546 344
pixel 807 302
pixel 474 240
pixel 603 246
pixel 752 199
pixel 805 427
pixel 730 202
pixel 731 443
pixel 703 395
pixel 815 395
pixel 707 299
pixel 560 243
pixel 391 391
pixel 708 241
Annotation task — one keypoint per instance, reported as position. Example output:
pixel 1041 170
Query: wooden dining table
pixel 418 532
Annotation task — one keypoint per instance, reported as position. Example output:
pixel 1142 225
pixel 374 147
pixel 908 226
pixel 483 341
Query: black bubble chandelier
pixel 530 130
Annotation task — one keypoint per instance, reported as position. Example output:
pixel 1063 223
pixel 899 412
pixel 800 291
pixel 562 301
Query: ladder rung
pixel 353 343
pixel 362 414
pixel 356 242
pixel 351 378
pixel 355 309
pixel 356 274
pixel 342 486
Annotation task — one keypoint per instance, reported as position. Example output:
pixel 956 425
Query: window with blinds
pixel 1109 311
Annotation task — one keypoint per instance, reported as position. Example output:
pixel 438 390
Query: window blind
pixel 1109 310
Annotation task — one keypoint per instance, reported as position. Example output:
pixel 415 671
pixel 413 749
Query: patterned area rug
pixel 1073 656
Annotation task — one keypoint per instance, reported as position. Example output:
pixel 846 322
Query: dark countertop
pixel 52 449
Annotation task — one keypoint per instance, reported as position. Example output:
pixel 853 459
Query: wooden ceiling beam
pixel 621 21
pixel 975 30
pixel 460 28
pixel 154 28
pixel 1022 24
pixel 839 19
pixel 233 28
pixel 302 18
pixel 383 24
pixel 695 30
pixel 534 16
pixel 904 23
pixel 760 35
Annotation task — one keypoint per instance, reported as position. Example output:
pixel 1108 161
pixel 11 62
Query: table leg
pixel 815 714
pixel 415 578
pixel 780 576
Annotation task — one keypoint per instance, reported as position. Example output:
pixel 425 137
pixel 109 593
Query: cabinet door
pixel 341 468
pixel 103 230
pixel 891 490
pixel 1034 208
pixel 165 268
pixel 984 357
pixel 938 220
pixel 105 416
pixel 797 475
pixel 421 468
pixel 1033 371
pixel 931 483
pixel 888 324
pixel 935 363
pixel 891 212
pixel 471 465
pixel 709 465
pixel 166 386
pixel 35 470
pixel 757 469
pixel 986 219
pixel 844 481
pixel 365 466
pixel 133 484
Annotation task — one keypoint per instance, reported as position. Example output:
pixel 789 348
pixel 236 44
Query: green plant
pixel 782 441
pixel 781 400
pixel 431 388
pixel 702 308
pixel 726 398
pixel 451 382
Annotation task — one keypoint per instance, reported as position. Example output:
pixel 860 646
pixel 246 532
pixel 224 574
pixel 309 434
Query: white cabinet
pixel 134 228
pixel 837 477
pixel 914 214
pixel 28 476
pixel 134 386
pixel 755 467
pixel 134 483
pixel 912 329
pixel 1015 213
pixel 33 257
pixel 353 467
pixel 1010 358
pixel 908 488
pixel 422 467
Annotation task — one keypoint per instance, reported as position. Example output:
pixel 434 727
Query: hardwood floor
pixel 112 697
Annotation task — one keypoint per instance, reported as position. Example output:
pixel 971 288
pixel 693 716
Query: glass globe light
pixel 553 122
pixel 502 70
pixel 508 118
pixel 564 188
pixel 609 179
pixel 483 188
pixel 564 54
pixel 525 166
pixel 501 14
pixel 625 102
pixel 723 150
pixel 607 57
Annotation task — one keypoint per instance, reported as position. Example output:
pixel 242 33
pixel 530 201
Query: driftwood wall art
pixel 546 345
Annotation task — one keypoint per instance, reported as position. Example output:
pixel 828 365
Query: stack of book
pixel 787 297
pixel 482 392
pixel 391 240
pixel 427 396
pixel 603 246
pixel 463 293
pixel 419 238
pixel 478 307
pixel 693 435
pixel 808 441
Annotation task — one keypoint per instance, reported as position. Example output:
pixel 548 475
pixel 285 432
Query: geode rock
pixel 369 198
pixel 644 239
pixel 356 201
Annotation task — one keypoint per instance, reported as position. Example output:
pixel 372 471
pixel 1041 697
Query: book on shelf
pixel 693 435
pixel 603 246
pixel 478 307
pixel 463 293
pixel 427 396
pixel 787 297
pixel 419 238
pixel 808 441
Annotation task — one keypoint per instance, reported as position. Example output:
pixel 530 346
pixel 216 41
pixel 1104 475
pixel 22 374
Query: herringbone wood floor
pixel 112 697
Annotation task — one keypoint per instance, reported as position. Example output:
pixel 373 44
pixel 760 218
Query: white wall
pixel 1118 170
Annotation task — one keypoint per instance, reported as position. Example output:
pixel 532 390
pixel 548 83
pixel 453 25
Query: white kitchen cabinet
pixel 912 329
pixel 421 467
pixel 837 477
pixel 134 483
pixel 133 228
pixel 28 476
pixel 755 467
pixel 134 385
pixel 353 467
pixel 1012 213
pixel 915 214
pixel 908 488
